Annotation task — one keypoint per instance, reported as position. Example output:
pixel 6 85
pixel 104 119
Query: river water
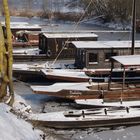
pixel 54 104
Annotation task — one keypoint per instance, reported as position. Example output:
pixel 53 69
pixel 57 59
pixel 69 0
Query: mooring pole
pixel 133 27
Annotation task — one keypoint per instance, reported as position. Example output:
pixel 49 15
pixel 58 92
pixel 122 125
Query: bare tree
pixel 110 9
pixel 44 5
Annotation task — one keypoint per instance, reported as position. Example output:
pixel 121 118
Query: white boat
pixel 68 75
pixel 88 118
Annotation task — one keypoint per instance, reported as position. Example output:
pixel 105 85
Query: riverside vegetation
pixel 109 10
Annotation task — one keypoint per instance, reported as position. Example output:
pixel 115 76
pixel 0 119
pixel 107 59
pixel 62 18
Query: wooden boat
pixel 97 91
pixel 107 91
pixel 27 53
pixel 88 118
pixel 86 91
pixel 34 69
pixel 26 72
pixel 67 75
pixel 63 90
pixel 30 71
pixel 25 44
pixel 24 35
pixel 102 74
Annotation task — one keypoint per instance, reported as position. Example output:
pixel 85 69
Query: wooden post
pixel 110 76
pixel 123 84
pixel 133 27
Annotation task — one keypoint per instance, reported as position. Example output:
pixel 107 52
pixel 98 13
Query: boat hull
pixel 65 75
pixel 59 120
pixel 89 94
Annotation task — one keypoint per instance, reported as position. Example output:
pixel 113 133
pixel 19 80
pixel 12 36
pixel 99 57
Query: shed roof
pixel 70 35
pixel 104 44
pixel 128 60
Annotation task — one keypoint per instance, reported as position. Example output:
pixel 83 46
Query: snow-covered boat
pixel 25 71
pixel 33 69
pixel 88 118
pixel 86 91
pixel 67 75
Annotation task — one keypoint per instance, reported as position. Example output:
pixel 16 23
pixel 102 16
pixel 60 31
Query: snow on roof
pixel 70 35
pixel 104 44
pixel 128 60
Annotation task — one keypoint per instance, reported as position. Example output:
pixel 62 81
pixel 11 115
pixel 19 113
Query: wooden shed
pixel 96 54
pixel 53 43
pixel 22 27
pixel 24 34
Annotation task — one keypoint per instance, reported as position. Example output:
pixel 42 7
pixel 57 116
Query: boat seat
pixel 123 99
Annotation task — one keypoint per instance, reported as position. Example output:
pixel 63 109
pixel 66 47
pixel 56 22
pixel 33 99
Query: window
pixel 108 55
pixel 93 58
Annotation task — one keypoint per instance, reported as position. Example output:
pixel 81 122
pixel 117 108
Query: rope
pixel 56 44
pixel 76 25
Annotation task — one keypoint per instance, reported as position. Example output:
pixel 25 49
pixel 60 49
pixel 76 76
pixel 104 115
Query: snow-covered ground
pixel 113 25
pixel 12 127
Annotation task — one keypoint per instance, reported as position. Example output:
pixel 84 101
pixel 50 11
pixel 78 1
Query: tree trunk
pixel 9 50
pixel 3 66
pixel 1 49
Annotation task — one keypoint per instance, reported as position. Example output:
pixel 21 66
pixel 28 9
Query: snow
pixel 92 115
pixel 61 86
pixel 26 51
pixel 65 73
pixel 112 25
pixel 58 87
pixel 14 128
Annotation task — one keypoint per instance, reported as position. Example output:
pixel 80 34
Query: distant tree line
pixel 111 9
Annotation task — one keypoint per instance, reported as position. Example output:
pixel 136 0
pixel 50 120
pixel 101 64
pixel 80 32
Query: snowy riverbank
pixel 13 127
pixel 116 25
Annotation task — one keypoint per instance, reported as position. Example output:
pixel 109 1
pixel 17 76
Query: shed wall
pixel 102 62
pixel 55 45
